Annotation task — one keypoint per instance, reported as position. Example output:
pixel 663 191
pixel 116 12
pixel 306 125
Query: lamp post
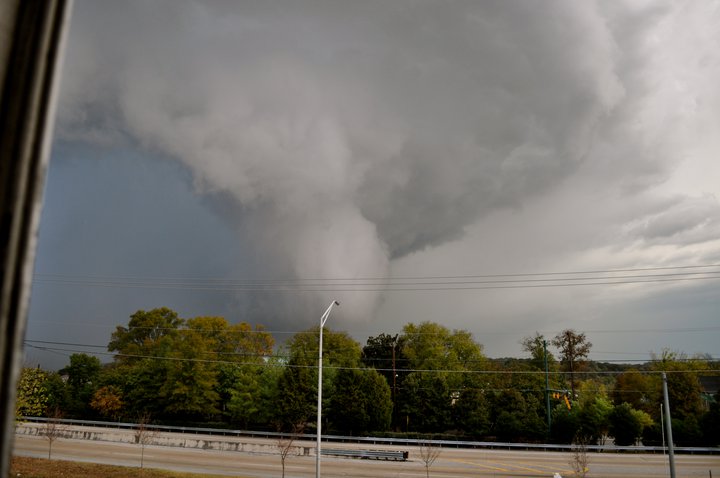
pixel 668 425
pixel 323 319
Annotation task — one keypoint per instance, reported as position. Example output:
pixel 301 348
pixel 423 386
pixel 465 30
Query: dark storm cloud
pixel 341 138
pixel 417 117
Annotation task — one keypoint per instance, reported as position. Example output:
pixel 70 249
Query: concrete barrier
pixel 151 437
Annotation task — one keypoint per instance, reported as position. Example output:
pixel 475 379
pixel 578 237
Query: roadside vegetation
pixel 41 468
pixel 426 381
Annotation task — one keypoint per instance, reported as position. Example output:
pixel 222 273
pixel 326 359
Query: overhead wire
pixel 431 277
pixel 399 360
pixel 404 370
pixel 311 331
pixel 405 283
pixel 398 284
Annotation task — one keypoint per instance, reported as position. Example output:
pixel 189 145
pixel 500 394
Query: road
pixel 450 463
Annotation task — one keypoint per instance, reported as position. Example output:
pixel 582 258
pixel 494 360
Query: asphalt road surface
pixel 450 463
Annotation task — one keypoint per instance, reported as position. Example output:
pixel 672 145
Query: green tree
pixel 472 408
pixel 360 403
pixel 339 349
pixel 141 369
pixel 687 431
pixel 195 368
pixel 231 363
pixel 191 382
pixel 268 390
pixel 232 343
pixel 574 347
pixel 248 344
pixel 241 384
pixel 536 346
pixel 378 401
pixel 626 426
pixel 138 381
pixel 143 335
pixel 515 416
pixel 385 353
pixel 437 354
pixel 425 402
pixel 471 412
pixel 82 371
pixel 32 393
pixel 684 389
pixel 431 346
pixel 297 387
pixel 296 396
pixel 565 424
pixel 82 381
pixel 58 392
pixel 525 411
pixel 636 389
pixel 140 384
pixel 594 419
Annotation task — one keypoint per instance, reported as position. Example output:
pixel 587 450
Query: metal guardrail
pixel 366 454
pixel 387 441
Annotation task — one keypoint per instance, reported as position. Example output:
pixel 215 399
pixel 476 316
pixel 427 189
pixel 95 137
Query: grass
pixel 42 468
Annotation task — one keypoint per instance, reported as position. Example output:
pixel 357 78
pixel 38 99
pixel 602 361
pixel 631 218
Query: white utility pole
pixel 323 319
pixel 668 426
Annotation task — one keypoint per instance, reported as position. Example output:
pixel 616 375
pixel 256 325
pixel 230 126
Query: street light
pixel 323 319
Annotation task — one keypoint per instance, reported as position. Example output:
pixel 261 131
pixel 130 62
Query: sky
pixel 503 167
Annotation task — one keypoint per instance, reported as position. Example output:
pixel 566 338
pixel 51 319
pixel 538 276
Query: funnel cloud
pixel 354 140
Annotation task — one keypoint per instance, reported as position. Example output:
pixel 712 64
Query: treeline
pixel 427 380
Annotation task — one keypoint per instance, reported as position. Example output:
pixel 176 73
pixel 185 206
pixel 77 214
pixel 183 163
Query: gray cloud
pixel 342 137
pixel 419 118
pixel 685 222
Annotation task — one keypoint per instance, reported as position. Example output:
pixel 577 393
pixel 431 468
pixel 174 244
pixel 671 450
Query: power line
pixel 397 284
pixel 671 330
pixel 432 277
pixel 397 359
pixel 28 342
pixel 390 287
pixel 289 365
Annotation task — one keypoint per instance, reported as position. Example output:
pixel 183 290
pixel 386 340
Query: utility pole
pixel 323 319
pixel 668 426
pixel 547 388
pixel 393 365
